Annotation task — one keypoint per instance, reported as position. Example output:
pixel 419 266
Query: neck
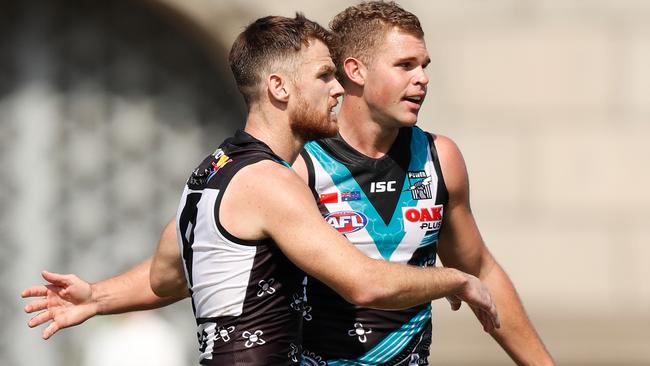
pixel 273 129
pixel 358 128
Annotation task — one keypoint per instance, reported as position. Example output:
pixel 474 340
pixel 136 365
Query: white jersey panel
pixel 415 227
pixel 220 268
pixel 360 237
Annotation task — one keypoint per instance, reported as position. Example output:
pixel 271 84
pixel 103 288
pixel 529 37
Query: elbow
pixel 162 289
pixel 158 287
pixel 361 298
pixel 370 296
pixel 370 287
pixel 167 287
pixel 167 280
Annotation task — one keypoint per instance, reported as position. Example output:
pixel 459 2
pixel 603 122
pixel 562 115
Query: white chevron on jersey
pixel 360 238
pixel 413 238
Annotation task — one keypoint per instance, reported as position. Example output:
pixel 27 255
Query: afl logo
pixel 347 221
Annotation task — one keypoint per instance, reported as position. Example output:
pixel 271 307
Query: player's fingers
pixel 495 316
pixel 480 316
pixel 486 321
pixel 485 318
pixel 37 305
pixel 493 322
pixel 34 291
pixel 50 330
pixel 490 322
pixel 454 303
pixel 57 279
pixel 60 291
pixel 39 319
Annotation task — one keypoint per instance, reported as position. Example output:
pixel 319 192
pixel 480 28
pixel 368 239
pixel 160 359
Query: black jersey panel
pixel 380 179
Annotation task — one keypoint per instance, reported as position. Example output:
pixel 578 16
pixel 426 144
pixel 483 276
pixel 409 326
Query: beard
pixel 310 124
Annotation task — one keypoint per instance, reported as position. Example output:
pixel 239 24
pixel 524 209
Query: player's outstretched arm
pixel 282 207
pixel 462 247
pixel 66 300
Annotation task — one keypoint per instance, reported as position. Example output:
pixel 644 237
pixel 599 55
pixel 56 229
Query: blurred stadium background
pixel 105 107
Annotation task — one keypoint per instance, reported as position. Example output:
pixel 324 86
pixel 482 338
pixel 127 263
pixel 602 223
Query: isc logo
pixel 378 187
pixel 347 221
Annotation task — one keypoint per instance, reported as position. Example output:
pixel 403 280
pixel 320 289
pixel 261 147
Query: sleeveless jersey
pixel 246 295
pixel 390 208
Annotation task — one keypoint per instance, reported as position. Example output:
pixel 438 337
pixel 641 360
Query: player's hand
pixel 66 301
pixel 478 297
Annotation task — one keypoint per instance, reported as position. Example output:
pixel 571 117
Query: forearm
pixel 128 291
pixel 411 286
pixel 517 336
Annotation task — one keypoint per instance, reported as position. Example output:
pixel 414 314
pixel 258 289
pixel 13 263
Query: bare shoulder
pixel 257 195
pixel 447 149
pixel 268 179
pixel 270 187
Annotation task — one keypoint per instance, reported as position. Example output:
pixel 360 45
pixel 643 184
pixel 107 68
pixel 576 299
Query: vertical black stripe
pixel 442 195
pixel 186 218
pixel 311 174
pixel 222 182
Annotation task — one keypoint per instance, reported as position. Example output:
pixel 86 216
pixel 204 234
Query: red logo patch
pixel 428 218
pixel 420 214
pixel 347 221
pixel 329 197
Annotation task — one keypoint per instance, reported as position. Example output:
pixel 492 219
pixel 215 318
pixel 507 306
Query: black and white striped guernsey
pixel 246 295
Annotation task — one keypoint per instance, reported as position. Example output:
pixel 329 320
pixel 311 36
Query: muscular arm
pixel 282 207
pixel 462 247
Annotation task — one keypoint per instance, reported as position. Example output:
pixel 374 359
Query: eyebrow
pixel 326 69
pixel 426 62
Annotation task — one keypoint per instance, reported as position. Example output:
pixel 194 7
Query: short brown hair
pixel 266 42
pixel 360 28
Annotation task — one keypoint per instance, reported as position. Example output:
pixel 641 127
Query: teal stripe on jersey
pixel 419 156
pixel 283 163
pixel 392 345
pixel 429 239
pixel 386 237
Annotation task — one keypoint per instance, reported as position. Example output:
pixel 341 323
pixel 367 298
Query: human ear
pixel 277 87
pixel 355 70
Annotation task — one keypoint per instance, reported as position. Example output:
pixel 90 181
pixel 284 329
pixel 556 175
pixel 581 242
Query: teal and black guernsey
pixel 390 208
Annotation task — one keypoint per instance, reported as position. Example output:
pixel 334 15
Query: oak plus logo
pixel 347 221
pixel 422 218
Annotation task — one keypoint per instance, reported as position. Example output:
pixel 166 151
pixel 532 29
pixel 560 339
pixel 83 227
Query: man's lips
pixel 414 101
pixel 417 98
